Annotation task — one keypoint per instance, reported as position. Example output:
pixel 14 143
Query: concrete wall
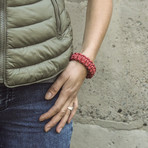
pixel 113 105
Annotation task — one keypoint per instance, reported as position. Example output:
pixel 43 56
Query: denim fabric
pixel 20 109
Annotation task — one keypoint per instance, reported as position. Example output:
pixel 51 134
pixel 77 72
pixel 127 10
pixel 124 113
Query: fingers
pixel 60 125
pixel 67 94
pixel 59 104
pixel 64 119
pixel 57 117
pixel 55 87
pixel 73 112
pixel 65 115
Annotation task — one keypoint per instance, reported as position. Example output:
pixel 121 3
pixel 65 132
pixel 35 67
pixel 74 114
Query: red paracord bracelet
pixel 91 69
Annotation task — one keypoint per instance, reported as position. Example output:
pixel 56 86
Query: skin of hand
pixel 70 80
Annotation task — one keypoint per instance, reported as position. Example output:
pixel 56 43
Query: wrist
pixel 82 68
pixel 88 63
pixel 89 55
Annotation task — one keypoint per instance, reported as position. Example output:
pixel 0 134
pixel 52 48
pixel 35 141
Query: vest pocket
pixel 57 17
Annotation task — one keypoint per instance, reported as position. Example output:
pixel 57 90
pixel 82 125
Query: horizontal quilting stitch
pixel 44 44
pixel 30 65
pixel 29 14
pixel 42 21
pixel 38 72
pixel 11 24
pixel 12 4
pixel 18 61
pixel 26 36
pixel 10 47
pixel 40 58
pixel 54 37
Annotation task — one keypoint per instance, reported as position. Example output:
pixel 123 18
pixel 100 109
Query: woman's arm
pixel 71 79
pixel 98 16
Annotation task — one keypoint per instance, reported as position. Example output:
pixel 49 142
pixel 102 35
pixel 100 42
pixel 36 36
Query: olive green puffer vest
pixel 35 40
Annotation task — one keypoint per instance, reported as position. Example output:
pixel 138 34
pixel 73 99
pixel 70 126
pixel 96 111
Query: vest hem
pixel 29 83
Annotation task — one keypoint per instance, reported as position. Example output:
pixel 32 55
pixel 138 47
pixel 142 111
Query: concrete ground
pixel 94 136
pixel 113 105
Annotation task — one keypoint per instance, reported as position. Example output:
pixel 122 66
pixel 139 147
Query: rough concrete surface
pixel 98 137
pixel 117 96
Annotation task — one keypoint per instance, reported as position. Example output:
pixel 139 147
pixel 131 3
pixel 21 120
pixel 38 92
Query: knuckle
pixel 64 93
pixel 54 89
pixel 68 91
pixel 62 112
pixel 52 123
pixel 56 108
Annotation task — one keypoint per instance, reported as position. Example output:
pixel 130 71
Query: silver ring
pixel 70 107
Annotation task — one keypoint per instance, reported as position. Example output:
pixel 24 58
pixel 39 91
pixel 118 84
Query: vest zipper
pixel 2 37
pixel 57 16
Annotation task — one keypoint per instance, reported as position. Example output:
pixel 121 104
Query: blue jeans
pixel 20 109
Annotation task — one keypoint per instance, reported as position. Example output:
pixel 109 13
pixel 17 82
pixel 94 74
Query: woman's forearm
pixel 98 16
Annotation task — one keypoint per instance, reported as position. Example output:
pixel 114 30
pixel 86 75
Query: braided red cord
pixel 91 69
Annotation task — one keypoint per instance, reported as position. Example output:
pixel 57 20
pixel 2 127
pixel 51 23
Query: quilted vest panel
pixel 36 40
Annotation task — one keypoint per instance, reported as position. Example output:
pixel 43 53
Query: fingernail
pixel 41 118
pixel 48 96
pixel 47 129
pixel 60 130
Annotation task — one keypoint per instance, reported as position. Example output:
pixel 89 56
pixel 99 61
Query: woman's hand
pixel 70 80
